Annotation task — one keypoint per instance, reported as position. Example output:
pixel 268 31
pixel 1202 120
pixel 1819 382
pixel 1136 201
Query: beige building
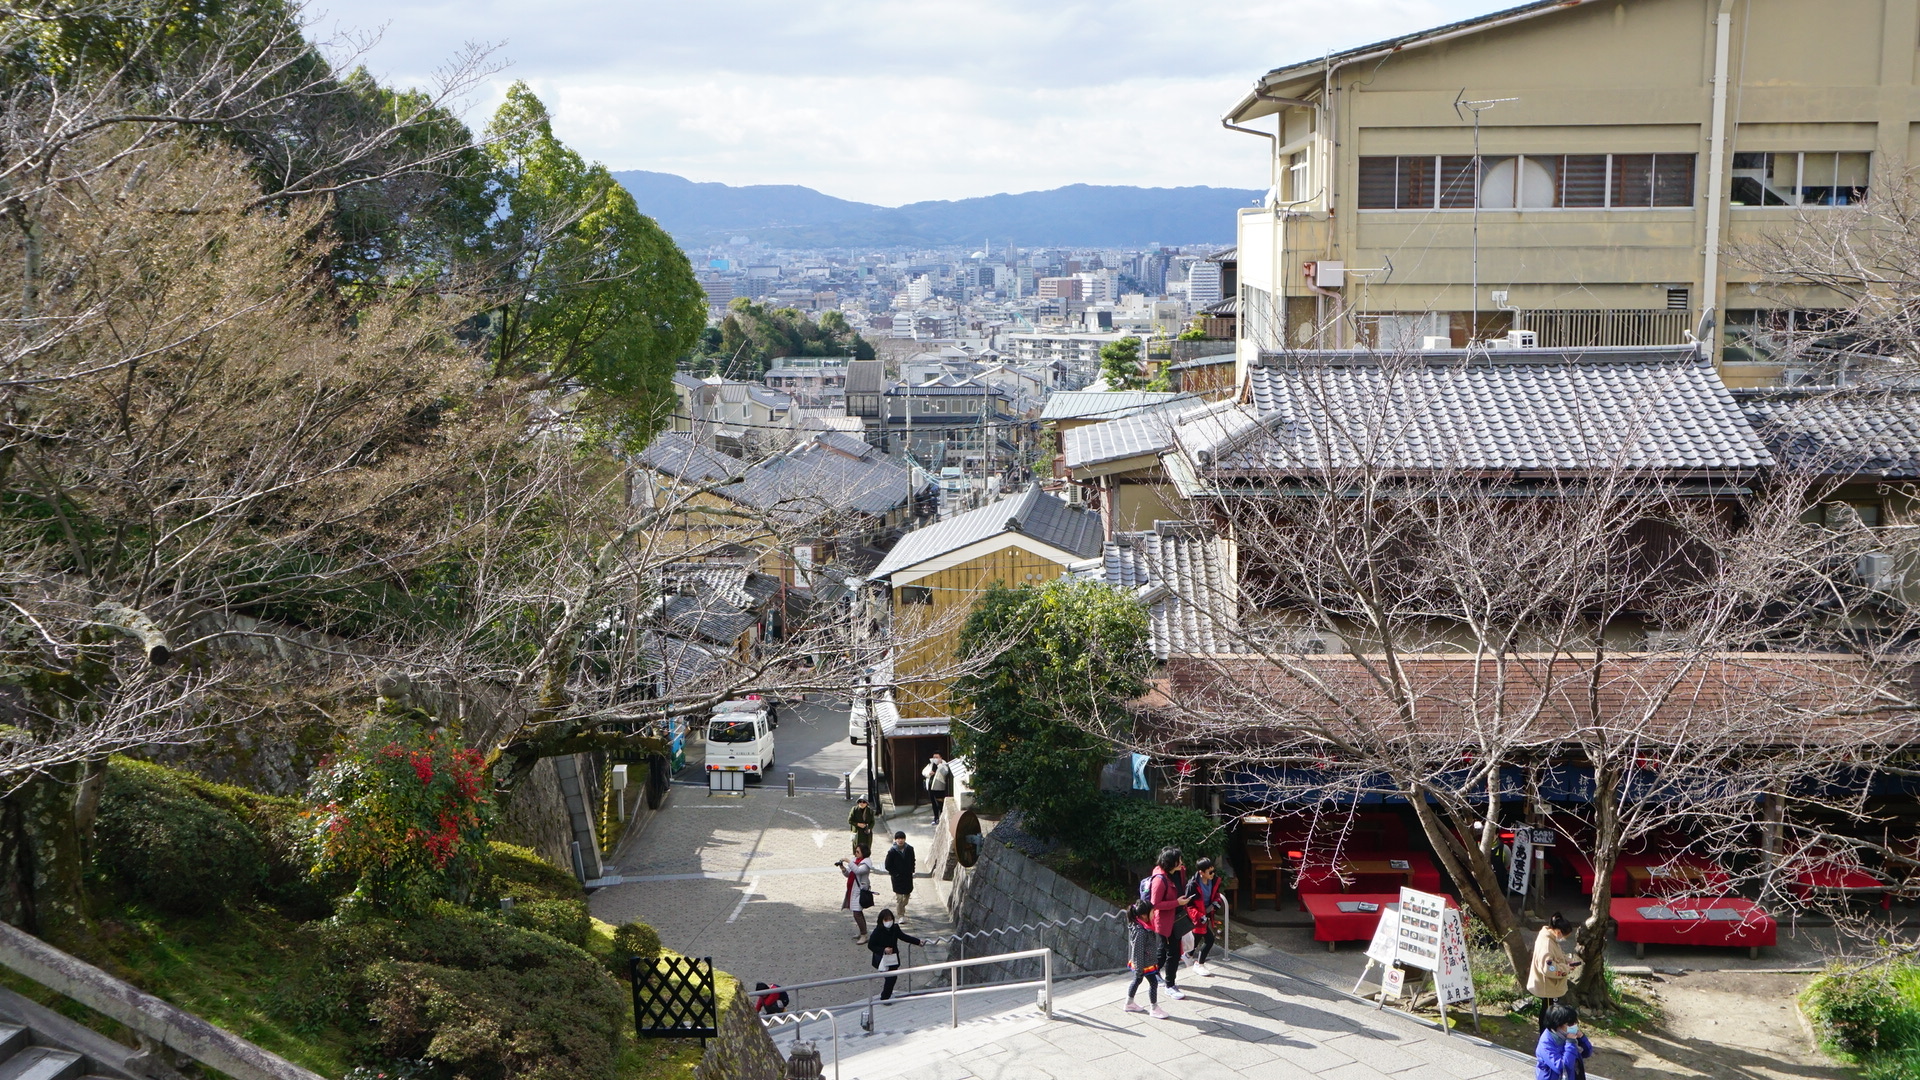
pixel 1623 147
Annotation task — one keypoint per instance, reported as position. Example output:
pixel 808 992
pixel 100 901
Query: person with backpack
pixel 885 947
pixel 1143 957
pixel 899 866
pixel 1161 890
pixel 770 999
pixel 1202 896
pixel 859 896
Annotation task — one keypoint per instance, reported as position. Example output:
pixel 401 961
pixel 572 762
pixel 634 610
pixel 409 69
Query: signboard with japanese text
pixel 1454 979
pixel 1422 921
pixel 1520 864
pixel 1385 933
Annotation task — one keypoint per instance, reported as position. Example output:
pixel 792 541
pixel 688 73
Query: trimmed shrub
pixel 481 999
pixel 158 840
pixel 1133 831
pixel 564 919
pixel 523 875
pixel 632 939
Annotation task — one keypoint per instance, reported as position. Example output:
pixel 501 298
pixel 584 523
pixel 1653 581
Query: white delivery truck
pixel 740 738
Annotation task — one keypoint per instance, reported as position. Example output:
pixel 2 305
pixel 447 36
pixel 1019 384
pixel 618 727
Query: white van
pixel 740 741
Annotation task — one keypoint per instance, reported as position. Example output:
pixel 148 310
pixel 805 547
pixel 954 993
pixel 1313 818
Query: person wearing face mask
pixel 1563 1049
pixel 1551 968
pixel 884 943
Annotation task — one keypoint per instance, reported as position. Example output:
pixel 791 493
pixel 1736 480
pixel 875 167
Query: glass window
pixel 1583 180
pixel 1377 183
pixel 1457 182
pixel 1673 179
pixel 1524 183
pixel 732 731
pixel 1543 181
pixel 1632 180
pixel 1824 178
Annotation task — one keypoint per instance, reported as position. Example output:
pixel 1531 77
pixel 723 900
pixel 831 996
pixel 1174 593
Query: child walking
pixel 1143 956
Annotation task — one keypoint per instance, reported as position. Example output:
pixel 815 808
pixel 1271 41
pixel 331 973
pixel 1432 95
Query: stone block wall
pixel 1005 889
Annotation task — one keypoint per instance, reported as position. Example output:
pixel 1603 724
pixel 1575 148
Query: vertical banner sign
pixel 1520 866
pixel 1422 920
pixel 1454 978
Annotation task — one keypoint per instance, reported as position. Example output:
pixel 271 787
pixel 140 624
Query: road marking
pixel 801 816
pixel 744 897
pixel 819 839
pixel 728 875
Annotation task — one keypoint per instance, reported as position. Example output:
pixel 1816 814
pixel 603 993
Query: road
pixel 750 880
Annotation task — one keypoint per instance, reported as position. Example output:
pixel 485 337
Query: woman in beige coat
pixel 1551 968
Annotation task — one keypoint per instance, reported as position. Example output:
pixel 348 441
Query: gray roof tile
pixel 1844 432
pixel 1088 404
pixel 1032 513
pixel 1191 562
pixel 1542 411
pixel 675 454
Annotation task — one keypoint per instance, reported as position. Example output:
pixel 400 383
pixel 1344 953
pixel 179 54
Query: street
pixel 749 880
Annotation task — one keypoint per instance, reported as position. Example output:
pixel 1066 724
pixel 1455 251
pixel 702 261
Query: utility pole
pixel 1460 103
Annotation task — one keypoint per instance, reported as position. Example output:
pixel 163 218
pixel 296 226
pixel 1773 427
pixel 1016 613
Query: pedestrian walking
pixel 1143 957
pixel 1202 896
pixel 885 947
pixel 899 865
pixel 773 714
pixel 1562 1051
pixel 939 777
pixel 1163 893
pixel 859 872
pixel 860 821
pixel 1551 968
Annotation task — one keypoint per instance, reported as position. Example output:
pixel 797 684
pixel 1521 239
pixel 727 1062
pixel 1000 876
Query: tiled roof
pixel 866 377
pixel 679 662
pixel 1539 411
pixel 769 398
pixel 851 445
pixel 1199 614
pixel 1231 254
pixel 706 615
pixel 1223 308
pixel 675 454
pixel 814 478
pixel 1032 513
pixel 1149 432
pixel 1845 432
pixel 1088 404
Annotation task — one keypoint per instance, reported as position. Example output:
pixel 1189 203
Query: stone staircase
pixel 26 1055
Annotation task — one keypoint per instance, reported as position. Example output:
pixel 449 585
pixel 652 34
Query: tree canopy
pixel 1120 367
pixel 752 336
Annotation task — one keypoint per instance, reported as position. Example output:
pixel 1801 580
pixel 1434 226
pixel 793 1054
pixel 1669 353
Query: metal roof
pixel 706 615
pixel 1840 432
pixel 866 377
pixel 816 478
pixel 1095 404
pixel 1032 513
pixel 1148 432
pixel 1200 610
pixel 1525 411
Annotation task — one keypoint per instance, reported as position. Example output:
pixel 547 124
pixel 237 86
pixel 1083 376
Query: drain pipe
pixel 1716 162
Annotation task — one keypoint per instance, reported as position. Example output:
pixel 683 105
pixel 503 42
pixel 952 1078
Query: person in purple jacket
pixel 1563 1050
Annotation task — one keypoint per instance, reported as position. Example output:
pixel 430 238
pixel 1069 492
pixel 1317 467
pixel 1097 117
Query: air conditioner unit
pixel 1876 570
pixel 1431 344
pixel 1523 339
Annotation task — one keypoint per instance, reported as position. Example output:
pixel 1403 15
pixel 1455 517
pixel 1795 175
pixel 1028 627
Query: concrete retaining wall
pixel 1007 889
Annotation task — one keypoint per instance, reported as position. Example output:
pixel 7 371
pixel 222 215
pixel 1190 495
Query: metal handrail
pixel 803 1017
pixel 953 990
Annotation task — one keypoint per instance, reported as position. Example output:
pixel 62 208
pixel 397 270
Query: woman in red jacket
pixel 1163 893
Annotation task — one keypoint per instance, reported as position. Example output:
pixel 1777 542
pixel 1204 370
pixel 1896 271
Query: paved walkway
pixel 1250 1020
pixel 750 880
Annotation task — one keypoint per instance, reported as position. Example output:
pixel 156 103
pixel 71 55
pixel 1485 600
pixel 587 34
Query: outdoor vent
pixel 1677 299
pixel 1875 570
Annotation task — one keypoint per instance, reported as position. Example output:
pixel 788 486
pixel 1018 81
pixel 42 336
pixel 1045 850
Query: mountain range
pixel 1078 215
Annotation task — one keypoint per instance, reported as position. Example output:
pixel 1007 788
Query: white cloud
pixel 894 102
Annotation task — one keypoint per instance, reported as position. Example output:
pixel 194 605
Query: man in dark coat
pixel 860 821
pixel 899 866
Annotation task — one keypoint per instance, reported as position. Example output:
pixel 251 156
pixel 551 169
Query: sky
pixel 885 101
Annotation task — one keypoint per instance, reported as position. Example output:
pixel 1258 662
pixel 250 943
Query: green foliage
pixel 1120 365
pixel 157 840
pixel 478 997
pixel 1058 664
pixel 404 813
pixel 592 293
pixel 520 873
pixel 633 939
pixel 752 336
pixel 1193 332
pixel 565 920
pixel 1865 1012
pixel 1134 830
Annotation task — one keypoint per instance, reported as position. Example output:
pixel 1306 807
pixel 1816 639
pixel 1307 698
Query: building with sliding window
pixel 1582 169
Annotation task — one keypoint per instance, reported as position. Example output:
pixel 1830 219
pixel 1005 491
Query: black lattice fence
pixel 674 997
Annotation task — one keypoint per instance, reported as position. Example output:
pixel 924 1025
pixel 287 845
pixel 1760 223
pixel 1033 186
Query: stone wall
pixel 744 1050
pixel 1005 889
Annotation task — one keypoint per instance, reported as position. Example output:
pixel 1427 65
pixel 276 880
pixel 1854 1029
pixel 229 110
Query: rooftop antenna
pixel 1462 106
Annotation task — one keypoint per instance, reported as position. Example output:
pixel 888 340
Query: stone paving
pixel 749 880
pixel 1250 1020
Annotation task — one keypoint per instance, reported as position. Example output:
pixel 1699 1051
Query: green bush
pixel 523 875
pixel 156 839
pixel 633 939
pixel 1132 831
pixel 1861 1011
pixel 564 919
pixel 482 999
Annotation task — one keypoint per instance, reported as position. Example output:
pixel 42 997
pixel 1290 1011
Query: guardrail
pixel 953 990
